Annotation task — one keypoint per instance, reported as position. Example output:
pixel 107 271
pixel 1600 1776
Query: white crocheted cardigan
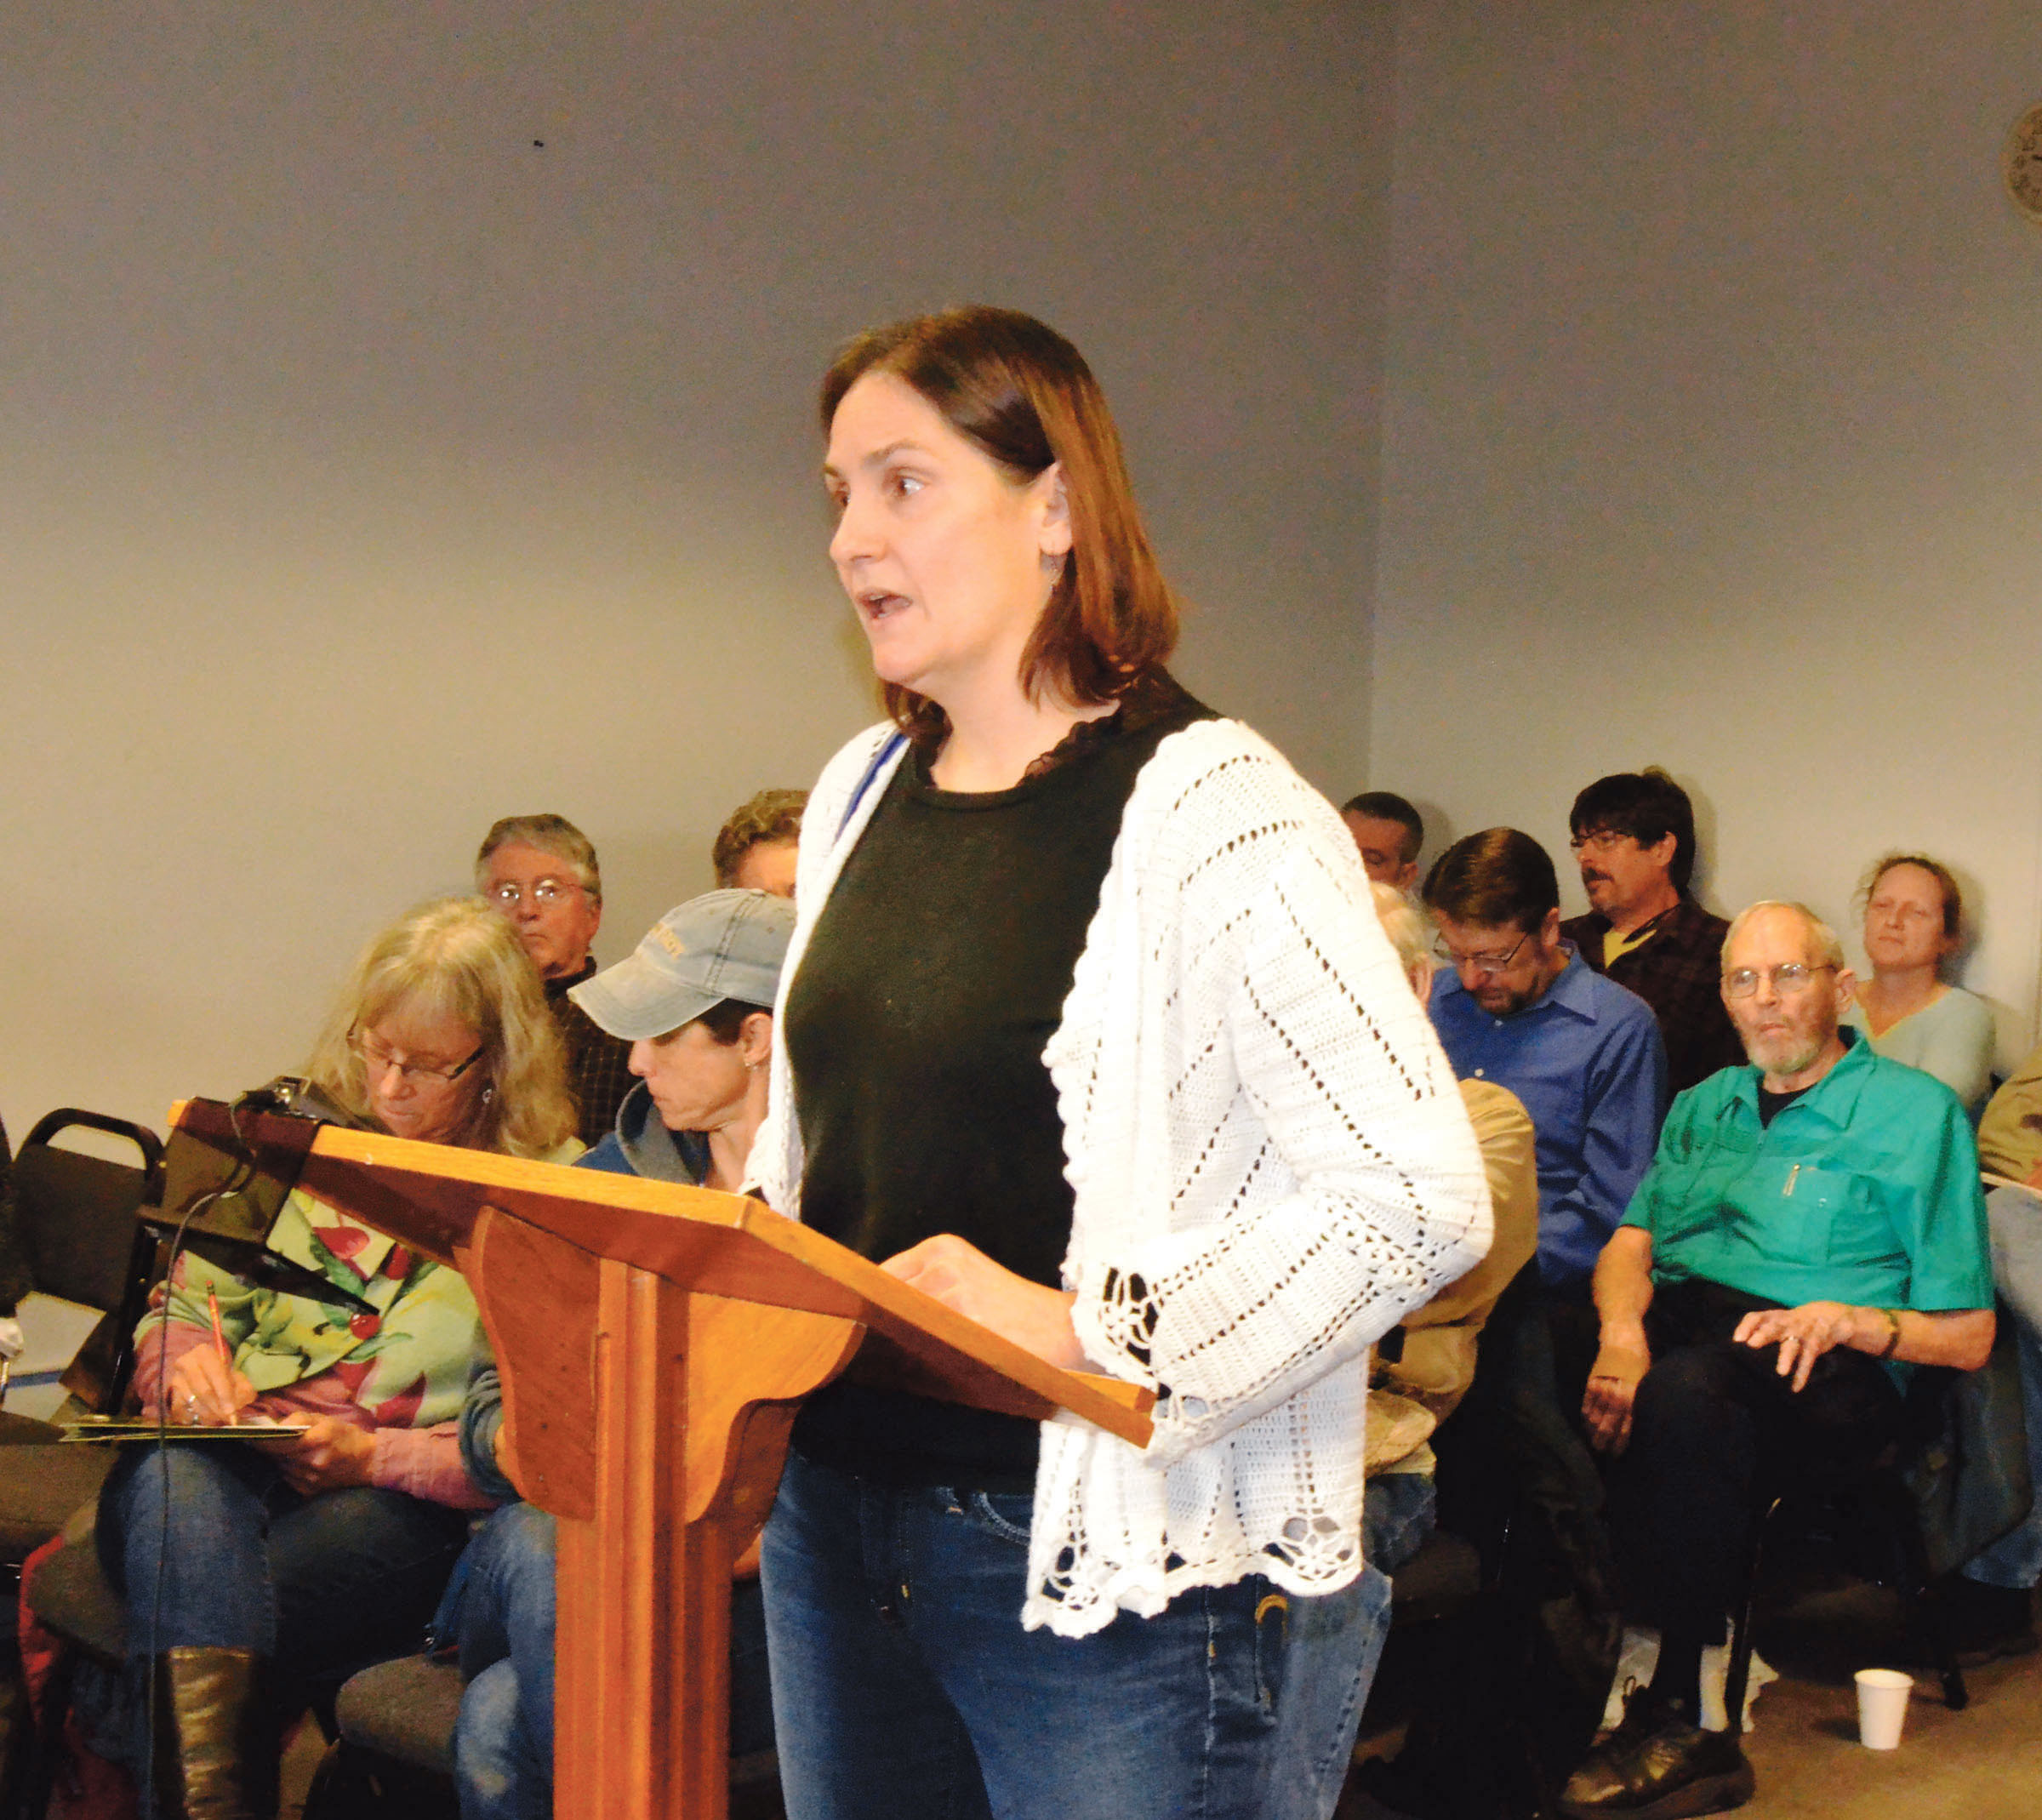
pixel 1271 1165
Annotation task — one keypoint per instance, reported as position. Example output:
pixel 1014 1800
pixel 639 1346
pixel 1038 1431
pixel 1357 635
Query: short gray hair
pixel 1822 938
pixel 547 834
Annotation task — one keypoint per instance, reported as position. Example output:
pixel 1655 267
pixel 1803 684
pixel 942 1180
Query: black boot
pixel 1658 1764
pixel 216 1744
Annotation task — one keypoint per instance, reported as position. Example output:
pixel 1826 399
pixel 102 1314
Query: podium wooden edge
pixel 915 1322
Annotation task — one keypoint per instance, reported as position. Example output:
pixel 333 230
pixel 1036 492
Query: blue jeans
pixel 1399 1511
pixel 500 1613
pixel 321 1586
pixel 2015 1559
pixel 503 1745
pixel 904 1685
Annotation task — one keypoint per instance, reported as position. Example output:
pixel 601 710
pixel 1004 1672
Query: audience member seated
pixel 1411 1395
pixel 1389 834
pixel 754 850
pixel 259 1575
pixel 1810 1218
pixel 1991 1603
pixel 1913 921
pixel 694 1004
pixel 1582 1053
pixel 540 871
pixel 1634 841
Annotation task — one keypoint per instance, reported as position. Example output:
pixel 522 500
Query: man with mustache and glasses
pixel 540 873
pixel 1811 1222
pixel 1634 839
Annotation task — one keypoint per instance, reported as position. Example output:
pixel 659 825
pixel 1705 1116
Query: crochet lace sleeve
pixel 1322 1177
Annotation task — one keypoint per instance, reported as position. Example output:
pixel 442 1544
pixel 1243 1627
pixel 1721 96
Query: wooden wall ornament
pixel 2022 165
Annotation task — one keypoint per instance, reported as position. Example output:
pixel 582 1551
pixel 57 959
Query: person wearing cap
pixel 693 1001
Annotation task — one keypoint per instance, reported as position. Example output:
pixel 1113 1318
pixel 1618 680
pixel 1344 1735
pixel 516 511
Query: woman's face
pixel 697 1083
pixel 947 559
pixel 1904 919
pixel 423 1075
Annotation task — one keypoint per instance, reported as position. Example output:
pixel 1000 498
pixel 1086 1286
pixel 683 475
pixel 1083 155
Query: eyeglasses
pixel 1788 978
pixel 376 1062
pixel 1603 841
pixel 1481 963
pixel 544 892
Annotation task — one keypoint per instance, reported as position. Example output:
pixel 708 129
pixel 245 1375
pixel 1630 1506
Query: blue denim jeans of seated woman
pixel 2015 1561
pixel 904 1688
pixel 322 1585
pixel 500 1611
pixel 1400 1512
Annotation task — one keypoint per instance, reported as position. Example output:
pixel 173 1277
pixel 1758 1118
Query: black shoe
pixel 1658 1765
pixel 1985 1623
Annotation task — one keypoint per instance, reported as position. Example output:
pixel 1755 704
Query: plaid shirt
pixel 597 1073
pixel 1678 973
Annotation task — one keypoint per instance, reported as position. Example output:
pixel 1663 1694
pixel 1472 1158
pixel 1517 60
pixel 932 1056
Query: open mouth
pixel 875 604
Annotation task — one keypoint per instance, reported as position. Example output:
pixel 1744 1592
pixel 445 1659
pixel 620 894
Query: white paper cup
pixel 1882 1705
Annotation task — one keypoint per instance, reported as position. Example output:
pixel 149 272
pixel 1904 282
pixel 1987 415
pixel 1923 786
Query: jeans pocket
pixel 1272 1618
pixel 1006 1515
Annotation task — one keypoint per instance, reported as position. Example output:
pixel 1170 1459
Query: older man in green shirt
pixel 1811 1223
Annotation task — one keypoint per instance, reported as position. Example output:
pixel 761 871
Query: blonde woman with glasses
pixel 259 1577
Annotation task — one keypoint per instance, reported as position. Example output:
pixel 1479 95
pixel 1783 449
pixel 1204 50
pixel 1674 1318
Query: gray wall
pixel 1712 428
pixel 367 472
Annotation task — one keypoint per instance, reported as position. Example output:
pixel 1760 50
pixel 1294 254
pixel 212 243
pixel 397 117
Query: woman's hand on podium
pixel 205 1393
pixel 962 1277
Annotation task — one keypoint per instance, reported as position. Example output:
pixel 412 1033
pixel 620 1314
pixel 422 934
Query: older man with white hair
pixel 1810 1225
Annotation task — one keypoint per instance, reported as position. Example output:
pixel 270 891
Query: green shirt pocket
pixel 1797 1210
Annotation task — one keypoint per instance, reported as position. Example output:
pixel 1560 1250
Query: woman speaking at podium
pixel 259 1577
pixel 1088 1030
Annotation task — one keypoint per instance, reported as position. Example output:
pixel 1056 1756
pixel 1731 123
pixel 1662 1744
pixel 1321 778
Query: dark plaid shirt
pixel 1679 972
pixel 597 1073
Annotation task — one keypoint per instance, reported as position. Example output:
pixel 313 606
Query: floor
pixel 1984 1763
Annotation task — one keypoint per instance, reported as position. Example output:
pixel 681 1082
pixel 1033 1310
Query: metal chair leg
pixel 1739 1677
pixel 1919 1595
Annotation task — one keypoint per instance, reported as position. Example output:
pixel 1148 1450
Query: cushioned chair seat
pixel 39 1489
pixel 1443 1576
pixel 404 1710
pixel 71 1597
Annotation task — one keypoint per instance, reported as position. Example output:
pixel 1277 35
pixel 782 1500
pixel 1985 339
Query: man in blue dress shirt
pixel 1517 1006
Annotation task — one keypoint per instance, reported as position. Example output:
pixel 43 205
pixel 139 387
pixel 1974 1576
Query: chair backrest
pixel 77 1211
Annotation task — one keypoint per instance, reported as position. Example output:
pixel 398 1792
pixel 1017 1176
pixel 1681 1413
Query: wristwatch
pixel 1887 1351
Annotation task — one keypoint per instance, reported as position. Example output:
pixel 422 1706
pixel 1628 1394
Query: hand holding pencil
pixel 205 1390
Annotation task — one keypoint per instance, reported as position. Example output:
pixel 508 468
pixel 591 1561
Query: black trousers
pixel 1714 1424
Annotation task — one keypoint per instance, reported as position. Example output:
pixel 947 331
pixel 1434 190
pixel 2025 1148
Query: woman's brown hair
pixel 1024 395
pixel 1946 885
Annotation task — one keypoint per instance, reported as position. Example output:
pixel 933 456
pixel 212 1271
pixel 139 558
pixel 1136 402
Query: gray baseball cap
pixel 723 944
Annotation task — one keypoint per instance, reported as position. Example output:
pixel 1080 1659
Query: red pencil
pixel 219 1343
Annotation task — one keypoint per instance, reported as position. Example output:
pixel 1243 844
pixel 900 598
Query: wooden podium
pixel 655 1343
